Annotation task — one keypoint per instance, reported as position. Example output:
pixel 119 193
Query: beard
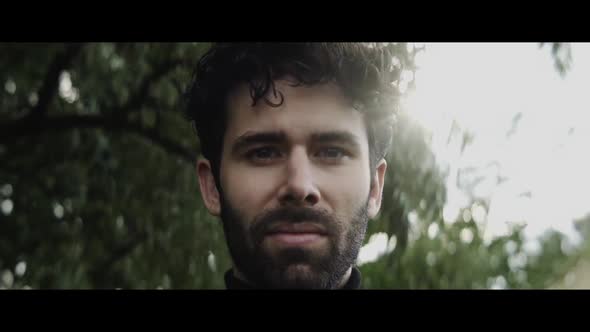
pixel 293 267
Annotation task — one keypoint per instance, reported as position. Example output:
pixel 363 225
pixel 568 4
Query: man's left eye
pixel 331 153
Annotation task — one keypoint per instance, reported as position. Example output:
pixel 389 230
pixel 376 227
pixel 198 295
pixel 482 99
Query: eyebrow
pixel 342 137
pixel 250 138
pixel 279 137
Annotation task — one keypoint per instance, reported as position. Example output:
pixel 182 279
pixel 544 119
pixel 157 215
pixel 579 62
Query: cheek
pixel 248 189
pixel 345 189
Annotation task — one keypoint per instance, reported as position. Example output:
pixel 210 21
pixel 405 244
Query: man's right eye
pixel 263 154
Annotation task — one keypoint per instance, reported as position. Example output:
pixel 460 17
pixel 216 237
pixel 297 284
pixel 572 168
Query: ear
pixel 376 192
pixel 209 190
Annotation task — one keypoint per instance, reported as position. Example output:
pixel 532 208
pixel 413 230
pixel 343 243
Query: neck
pixel 345 278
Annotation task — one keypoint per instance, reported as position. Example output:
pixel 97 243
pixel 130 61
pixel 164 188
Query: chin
pixel 301 276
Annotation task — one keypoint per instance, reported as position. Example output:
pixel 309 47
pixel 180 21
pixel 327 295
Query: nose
pixel 299 187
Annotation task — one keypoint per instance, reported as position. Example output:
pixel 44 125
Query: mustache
pixel 290 214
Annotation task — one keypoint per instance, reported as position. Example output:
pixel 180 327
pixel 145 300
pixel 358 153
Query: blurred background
pixel 486 187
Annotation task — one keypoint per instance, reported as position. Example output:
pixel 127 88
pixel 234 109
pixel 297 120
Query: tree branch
pixel 10 132
pixel 51 81
pixel 137 99
pixel 118 254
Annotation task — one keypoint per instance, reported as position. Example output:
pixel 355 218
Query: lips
pixel 298 228
pixel 296 234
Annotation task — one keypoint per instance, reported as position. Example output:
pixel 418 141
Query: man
pixel 293 138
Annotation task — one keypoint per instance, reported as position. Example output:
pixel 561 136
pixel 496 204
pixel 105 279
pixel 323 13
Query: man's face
pixel 296 189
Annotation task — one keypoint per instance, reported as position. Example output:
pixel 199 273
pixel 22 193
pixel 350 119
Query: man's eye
pixel 263 154
pixel 331 153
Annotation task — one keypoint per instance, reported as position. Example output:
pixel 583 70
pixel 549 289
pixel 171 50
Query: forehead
pixel 304 111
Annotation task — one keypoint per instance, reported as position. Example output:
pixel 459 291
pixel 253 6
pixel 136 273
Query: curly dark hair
pixel 366 73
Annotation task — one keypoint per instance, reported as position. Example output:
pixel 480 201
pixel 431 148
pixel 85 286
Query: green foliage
pixel 562 56
pixel 456 256
pixel 112 203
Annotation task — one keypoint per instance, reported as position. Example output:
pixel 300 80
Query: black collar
pixel 231 282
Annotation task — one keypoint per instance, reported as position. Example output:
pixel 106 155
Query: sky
pixel 542 162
